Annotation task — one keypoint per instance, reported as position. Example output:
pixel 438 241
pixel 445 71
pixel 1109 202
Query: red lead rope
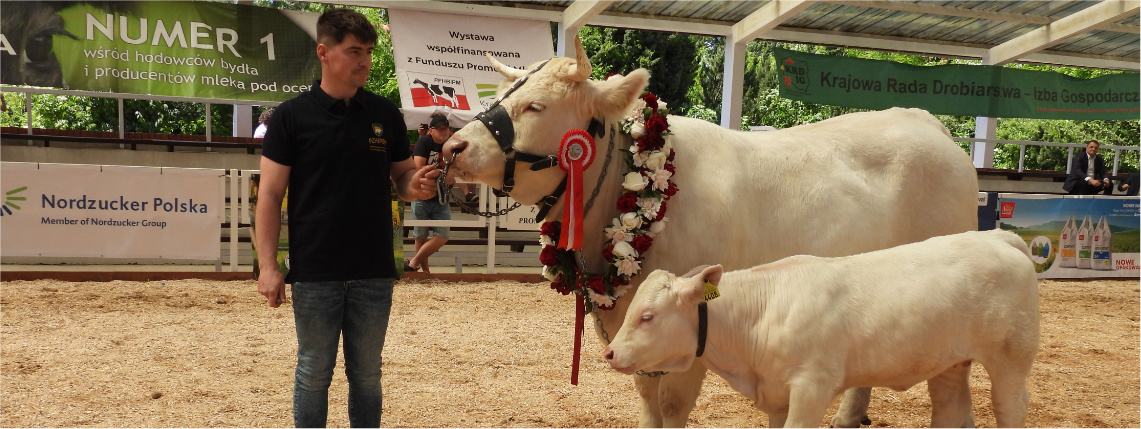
pixel 579 315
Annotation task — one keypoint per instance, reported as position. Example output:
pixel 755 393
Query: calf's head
pixel 660 332
pixel 557 98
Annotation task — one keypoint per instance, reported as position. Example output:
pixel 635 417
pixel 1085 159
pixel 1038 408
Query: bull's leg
pixel 651 415
pixel 951 398
pixel 1008 393
pixel 853 408
pixel 776 420
pixel 677 394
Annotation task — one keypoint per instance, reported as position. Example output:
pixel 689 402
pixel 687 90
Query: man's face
pixel 440 134
pixel 348 62
pixel 1092 149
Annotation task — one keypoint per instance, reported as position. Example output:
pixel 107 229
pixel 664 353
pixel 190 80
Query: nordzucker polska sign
pixel 966 90
pixel 178 48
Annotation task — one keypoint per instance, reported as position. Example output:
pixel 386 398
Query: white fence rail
pixel 1117 150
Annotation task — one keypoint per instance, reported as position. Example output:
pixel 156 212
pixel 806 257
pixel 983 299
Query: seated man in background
pixel 1087 173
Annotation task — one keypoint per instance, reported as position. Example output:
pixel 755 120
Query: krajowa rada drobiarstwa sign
pixel 967 90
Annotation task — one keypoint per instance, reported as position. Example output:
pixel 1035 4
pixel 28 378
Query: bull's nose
pixel 608 354
pixel 453 146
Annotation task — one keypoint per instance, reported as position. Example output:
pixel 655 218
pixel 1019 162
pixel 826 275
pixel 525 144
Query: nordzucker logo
pixel 10 198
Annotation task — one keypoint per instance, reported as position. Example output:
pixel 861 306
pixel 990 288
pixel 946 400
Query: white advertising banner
pixel 68 210
pixel 520 219
pixel 440 62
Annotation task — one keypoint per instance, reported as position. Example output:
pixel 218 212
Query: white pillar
pixel 243 120
pixel 566 40
pixel 985 128
pixel 733 85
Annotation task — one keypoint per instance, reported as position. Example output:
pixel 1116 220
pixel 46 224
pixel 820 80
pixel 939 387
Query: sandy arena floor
pixel 198 353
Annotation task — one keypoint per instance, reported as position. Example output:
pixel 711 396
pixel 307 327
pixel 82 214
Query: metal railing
pixel 1070 147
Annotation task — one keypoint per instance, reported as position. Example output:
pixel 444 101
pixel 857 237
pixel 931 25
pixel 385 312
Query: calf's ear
pixel 614 95
pixel 691 290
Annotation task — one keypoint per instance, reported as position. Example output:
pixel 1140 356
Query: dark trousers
pixel 1084 188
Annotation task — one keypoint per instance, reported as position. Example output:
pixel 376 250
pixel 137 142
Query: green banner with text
pixel 965 90
pixel 183 49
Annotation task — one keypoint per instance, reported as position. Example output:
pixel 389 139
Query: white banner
pixel 440 62
pixel 68 210
pixel 520 219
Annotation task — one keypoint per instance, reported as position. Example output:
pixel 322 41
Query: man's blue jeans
pixel 322 311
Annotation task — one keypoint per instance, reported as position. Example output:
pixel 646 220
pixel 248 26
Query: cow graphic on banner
pixel 434 90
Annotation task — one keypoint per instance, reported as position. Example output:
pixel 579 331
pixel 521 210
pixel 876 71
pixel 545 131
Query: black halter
pixel 498 123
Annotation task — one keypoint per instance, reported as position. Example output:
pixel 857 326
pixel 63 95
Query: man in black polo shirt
pixel 338 148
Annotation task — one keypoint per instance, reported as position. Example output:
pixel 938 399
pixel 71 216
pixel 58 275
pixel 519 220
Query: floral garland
pixel 642 205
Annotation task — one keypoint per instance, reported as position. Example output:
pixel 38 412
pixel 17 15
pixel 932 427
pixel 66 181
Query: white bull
pixel 782 333
pixel 847 185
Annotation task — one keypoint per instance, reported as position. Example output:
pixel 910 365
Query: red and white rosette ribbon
pixel 576 152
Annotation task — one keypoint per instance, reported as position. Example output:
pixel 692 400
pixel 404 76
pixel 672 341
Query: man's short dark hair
pixel 334 24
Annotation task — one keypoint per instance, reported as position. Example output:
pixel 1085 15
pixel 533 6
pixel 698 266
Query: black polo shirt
pixel 339 200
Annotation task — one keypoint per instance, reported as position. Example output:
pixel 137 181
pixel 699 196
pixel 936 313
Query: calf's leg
pixel 650 416
pixel 1008 393
pixel 678 392
pixel 808 401
pixel 853 408
pixel 951 398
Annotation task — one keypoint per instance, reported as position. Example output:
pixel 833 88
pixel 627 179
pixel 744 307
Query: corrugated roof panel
pixel 948 22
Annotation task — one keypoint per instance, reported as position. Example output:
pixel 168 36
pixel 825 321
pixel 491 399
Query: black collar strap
pixel 702 327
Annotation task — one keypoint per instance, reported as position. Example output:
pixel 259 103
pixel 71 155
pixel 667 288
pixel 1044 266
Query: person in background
pixel 262 120
pixel 1129 186
pixel 339 149
pixel 427 152
pixel 1087 173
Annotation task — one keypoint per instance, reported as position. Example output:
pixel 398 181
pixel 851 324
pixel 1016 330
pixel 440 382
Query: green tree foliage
pixel 619 51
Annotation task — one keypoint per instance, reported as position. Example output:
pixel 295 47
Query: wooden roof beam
pixel 766 18
pixel 1060 30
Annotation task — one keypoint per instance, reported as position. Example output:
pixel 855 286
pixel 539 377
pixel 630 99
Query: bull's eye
pixel 647 317
pixel 535 107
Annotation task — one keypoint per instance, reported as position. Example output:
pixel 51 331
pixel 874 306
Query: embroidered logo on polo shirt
pixel 377 143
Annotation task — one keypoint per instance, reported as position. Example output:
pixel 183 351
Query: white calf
pixel 792 334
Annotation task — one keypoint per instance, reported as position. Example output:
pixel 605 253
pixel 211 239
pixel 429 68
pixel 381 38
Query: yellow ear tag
pixel 711 291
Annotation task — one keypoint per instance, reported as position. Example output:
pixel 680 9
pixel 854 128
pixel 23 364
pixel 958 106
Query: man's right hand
pixel 271 284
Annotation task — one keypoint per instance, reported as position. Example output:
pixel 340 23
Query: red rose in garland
pixel 548 256
pixel 596 284
pixel 642 243
pixel 628 202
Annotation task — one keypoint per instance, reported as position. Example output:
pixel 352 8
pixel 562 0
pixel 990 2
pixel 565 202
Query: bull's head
pixel 554 99
pixel 660 332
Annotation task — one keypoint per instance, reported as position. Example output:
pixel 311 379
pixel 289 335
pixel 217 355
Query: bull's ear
pixel 616 93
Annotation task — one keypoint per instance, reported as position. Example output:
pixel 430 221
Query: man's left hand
pixel 424 182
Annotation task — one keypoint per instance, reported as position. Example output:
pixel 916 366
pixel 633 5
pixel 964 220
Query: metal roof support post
pixel 733 85
pixel 985 128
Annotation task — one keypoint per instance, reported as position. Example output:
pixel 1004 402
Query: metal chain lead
pixel 443 186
